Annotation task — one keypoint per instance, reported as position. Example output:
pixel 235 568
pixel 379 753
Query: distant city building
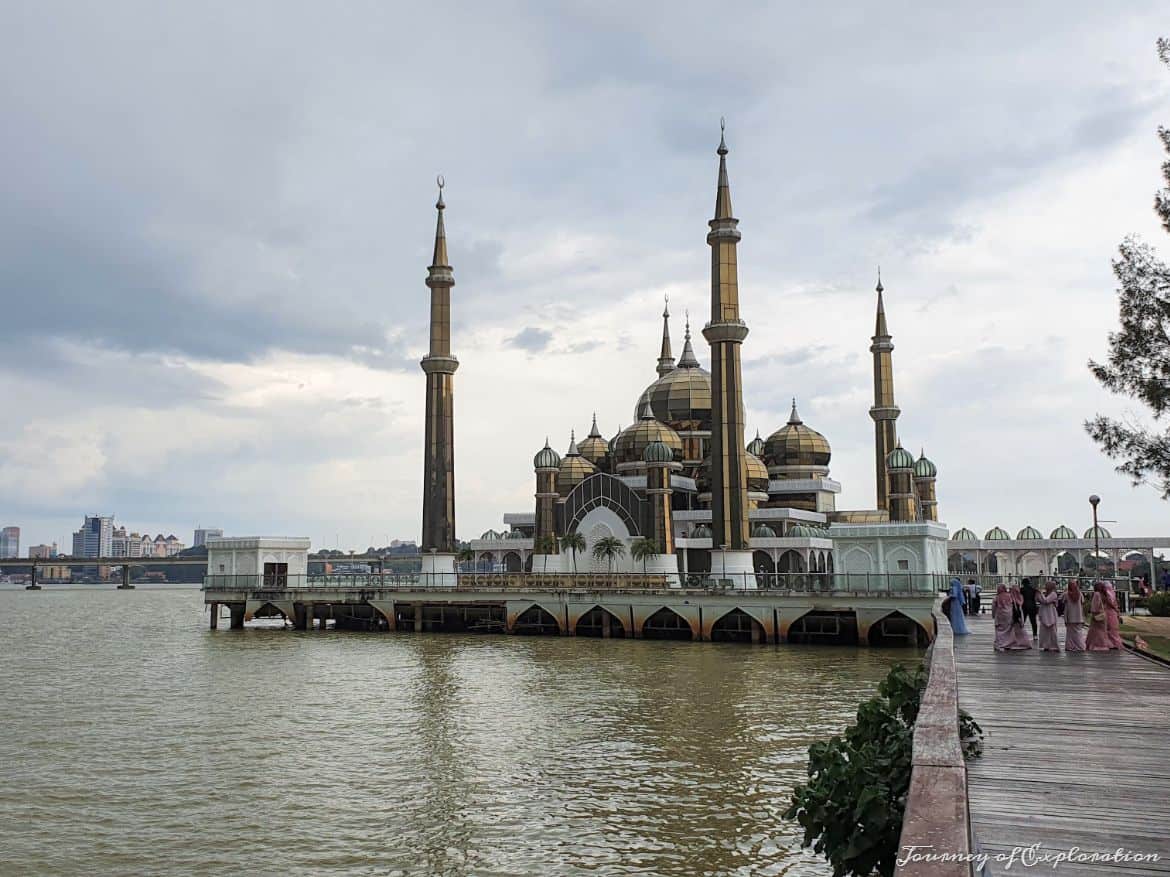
pixel 10 542
pixel 42 551
pixel 202 534
pixel 95 538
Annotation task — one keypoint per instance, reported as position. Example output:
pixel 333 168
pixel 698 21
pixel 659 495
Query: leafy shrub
pixel 1159 604
pixel 851 809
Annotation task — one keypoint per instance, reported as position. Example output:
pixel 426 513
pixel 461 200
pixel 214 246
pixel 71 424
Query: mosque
pixel 682 475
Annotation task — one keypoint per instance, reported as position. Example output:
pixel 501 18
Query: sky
pixel 215 222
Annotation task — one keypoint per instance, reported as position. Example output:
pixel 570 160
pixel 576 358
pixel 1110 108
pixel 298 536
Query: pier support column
pixel 214 616
pixel 418 617
pixel 300 615
pixel 237 610
pixel 606 630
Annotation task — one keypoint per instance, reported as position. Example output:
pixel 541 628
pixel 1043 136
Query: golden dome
pixel 795 444
pixel 632 441
pixel 681 398
pixel 573 470
pixel 757 474
pixel 594 447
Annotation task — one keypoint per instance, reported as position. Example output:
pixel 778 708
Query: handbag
pixel 1099 616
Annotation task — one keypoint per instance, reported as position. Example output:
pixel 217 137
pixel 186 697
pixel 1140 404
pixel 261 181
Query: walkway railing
pixel 906 584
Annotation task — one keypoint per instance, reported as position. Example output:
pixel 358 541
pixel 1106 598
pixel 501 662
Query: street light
pixel 1093 501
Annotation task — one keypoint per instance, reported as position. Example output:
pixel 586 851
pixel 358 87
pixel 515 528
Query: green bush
pixel 1159 604
pixel 851 809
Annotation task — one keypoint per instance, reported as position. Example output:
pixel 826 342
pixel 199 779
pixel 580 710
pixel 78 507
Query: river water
pixel 136 741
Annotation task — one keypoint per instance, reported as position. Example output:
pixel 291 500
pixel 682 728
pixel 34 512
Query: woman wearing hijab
pixel 1001 614
pixel 958 623
pixel 1074 618
pixel 1098 637
pixel 1046 613
pixel 1112 617
pixel 1020 639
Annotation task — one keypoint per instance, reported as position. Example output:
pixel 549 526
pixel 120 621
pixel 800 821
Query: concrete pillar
pixel 237 610
pixel 300 616
pixel 606 631
pixel 418 617
pixel 214 616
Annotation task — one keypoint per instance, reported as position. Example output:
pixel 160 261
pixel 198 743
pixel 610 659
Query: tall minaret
pixel 665 357
pixel 438 530
pixel 725 333
pixel 884 412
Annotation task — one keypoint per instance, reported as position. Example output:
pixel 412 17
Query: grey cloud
pixel 531 339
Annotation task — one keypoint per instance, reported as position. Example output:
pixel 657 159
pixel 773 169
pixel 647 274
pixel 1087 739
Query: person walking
pixel 1074 618
pixel 957 609
pixel 1112 617
pixel 1048 617
pixel 1029 593
pixel 1001 616
pixel 976 592
pixel 1097 639
pixel 1018 637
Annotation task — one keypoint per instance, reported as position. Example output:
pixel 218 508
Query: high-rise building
pixel 42 552
pixel 10 542
pixel 95 538
pixel 202 534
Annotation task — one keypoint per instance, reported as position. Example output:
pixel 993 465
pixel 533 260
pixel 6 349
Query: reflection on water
pixel 135 741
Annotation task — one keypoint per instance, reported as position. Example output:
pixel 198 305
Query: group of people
pixel 1095 628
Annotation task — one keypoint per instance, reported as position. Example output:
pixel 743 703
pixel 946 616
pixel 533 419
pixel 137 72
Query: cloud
pixel 531 339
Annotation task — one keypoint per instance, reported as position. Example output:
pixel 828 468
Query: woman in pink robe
pixel 1018 637
pixel 1074 618
pixel 1048 617
pixel 1098 638
pixel 1112 617
pixel 1001 614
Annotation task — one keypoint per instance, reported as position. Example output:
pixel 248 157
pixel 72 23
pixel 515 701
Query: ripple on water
pixel 137 742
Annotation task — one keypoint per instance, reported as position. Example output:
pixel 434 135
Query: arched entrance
pixel 737 627
pixel 599 622
pixel 535 621
pixel 897 629
pixel 667 624
pixel 512 562
pixel 791 561
pixel 828 628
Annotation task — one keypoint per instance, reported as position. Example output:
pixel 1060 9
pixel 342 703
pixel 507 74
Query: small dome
pixel 756 446
pixel 632 441
pixel 997 533
pixel 757 473
pixel 1029 533
pixel 795 444
pixel 1098 533
pixel 491 534
pixel 803 531
pixel 573 469
pixel 763 531
pixel 701 532
pixel 1063 532
pixel 658 452
pixel 594 447
pixel 899 458
pixel 923 468
pixel 965 535
pixel 546 458
pixel 515 534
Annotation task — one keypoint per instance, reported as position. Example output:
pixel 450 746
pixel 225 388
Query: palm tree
pixel 465 556
pixel 546 544
pixel 573 542
pixel 642 549
pixel 607 548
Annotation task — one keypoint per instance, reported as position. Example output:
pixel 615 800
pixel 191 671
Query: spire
pixel 647 411
pixel 880 329
pixel 794 418
pixel 723 195
pixel 594 432
pixel 440 257
pixel 665 356
pixel 688 358
pixel 572 452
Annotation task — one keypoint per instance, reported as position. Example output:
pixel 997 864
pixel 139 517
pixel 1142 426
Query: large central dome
pixel 681 398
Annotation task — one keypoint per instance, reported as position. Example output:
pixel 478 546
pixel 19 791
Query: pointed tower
pixel 884 411
pixel 665 357
pixel 725 333
pixel 438 525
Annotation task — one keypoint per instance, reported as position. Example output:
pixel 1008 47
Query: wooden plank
pixel 1112 710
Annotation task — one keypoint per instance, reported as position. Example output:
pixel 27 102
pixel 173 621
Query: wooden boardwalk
pixel 1111 709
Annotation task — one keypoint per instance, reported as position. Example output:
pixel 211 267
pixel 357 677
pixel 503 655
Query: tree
pixel 642 549
pixel 546 544
pixel 1138 364
pixel 573 542
pixel 465 556
pixel 607 548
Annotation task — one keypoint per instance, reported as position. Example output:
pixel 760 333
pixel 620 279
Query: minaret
pixel 884 411
pixel 665 357
pixel 725 333
pixel 438 528
pixel 546 463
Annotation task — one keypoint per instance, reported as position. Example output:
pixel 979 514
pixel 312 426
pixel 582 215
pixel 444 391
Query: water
pixel 135 741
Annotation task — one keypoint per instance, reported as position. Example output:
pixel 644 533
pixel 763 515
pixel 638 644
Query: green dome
pixel 1097 532
pixel 1029 533
pixel 923 468
pixel 701 532
pixel 997 533
pixel 546 458
pixel 658 452
pixel 1063 532
pixel 900 458
pixel 763 531
pixel 803 531
pixel 965 535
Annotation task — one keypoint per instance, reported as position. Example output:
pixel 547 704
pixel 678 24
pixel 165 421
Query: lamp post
pixel 1093 501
